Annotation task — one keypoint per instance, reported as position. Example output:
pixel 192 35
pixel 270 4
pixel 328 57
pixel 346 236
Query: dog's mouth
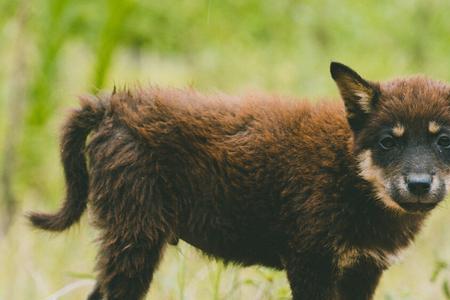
pixel 417 207
pixel 412 201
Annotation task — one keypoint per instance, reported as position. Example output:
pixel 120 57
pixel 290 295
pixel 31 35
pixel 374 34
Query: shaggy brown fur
pixel 251 180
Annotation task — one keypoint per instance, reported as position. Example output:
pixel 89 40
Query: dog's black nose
pixel 419 184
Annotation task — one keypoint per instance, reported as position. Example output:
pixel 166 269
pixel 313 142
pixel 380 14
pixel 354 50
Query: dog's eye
pixel 387 142
pixel 444 141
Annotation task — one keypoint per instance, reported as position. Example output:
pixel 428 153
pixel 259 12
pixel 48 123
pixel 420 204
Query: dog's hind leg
pixel 95 294
pixel 128 256
pixel 126 268
pixel 135 217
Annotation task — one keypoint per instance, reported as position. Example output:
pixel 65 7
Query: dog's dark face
pixel 401 137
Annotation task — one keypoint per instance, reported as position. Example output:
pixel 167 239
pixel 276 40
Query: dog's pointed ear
pixel 360 96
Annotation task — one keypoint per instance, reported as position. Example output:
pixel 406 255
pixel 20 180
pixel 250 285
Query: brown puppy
pixel 328 194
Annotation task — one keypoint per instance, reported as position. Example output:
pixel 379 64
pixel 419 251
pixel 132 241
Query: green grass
pixel 51 51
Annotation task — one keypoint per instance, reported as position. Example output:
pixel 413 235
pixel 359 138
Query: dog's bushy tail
pixel 76 129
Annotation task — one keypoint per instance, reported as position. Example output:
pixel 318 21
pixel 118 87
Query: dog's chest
pixel 348 257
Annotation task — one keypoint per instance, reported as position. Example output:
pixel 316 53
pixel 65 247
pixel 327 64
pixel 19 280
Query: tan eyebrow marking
pixel 433 127
pixel 398 130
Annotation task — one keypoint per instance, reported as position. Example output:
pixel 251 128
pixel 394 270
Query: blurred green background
pixel 51 51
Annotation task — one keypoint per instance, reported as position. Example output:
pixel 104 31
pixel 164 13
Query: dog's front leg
pixel 359 280
pixel 311 276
